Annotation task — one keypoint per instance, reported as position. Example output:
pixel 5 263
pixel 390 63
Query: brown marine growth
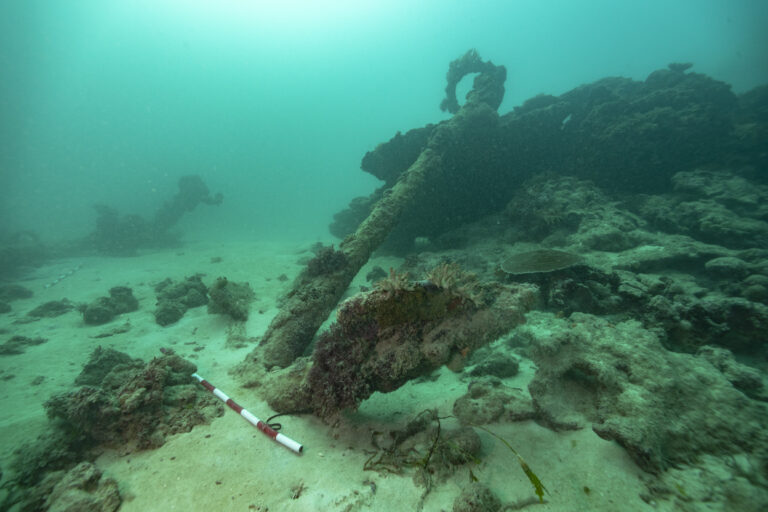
pixel 395 333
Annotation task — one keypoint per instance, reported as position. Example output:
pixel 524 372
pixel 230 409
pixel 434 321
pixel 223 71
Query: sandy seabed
pixel 229 465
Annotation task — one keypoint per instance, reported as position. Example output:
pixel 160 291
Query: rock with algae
pixel 401 330
pixel 173 299
pixel 51 309
pixel 127 402
pixel 18 344
pixel 81 488
pixel 104 309
pixel 124 404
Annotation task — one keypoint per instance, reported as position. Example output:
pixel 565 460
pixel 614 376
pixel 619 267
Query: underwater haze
pixel 471 255
pixel 274 103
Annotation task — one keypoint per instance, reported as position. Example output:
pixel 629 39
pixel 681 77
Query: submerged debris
pixel 307 305
pixel 117 234
pixel 327 260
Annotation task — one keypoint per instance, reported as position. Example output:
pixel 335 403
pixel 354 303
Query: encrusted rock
pixel 83 488
pixel 173 299
pixel 100 363
pixel 397 332
pixel 104 309
pixel 133 404
pixel 728 267
pixel 497 365
pixel 663 407
pixel 541 260
pixel 743 377
pixel 488 400
pixel 476 498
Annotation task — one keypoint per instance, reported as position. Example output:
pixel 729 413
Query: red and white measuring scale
pixel 253 420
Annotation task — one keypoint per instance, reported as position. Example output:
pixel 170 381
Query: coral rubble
pixel 133 403
pixel 121 402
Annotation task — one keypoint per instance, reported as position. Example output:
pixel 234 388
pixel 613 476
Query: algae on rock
pixel 385 337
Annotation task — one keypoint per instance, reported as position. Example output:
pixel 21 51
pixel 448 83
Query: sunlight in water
pixel 280 15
